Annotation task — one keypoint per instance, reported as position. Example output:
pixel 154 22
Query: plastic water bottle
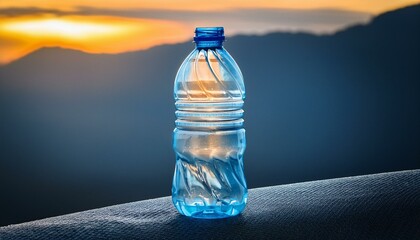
pixel 209 140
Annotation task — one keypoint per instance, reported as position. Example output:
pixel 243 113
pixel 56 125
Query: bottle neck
pixel 209 44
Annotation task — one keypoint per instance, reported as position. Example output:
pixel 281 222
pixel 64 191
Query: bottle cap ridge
pixel 209 34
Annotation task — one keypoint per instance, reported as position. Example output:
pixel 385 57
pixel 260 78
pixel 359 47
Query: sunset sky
pixel 97 26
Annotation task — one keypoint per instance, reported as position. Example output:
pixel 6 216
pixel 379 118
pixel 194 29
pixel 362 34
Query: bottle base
pixel 209 212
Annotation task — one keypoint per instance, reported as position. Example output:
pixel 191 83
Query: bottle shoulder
pixel 208 75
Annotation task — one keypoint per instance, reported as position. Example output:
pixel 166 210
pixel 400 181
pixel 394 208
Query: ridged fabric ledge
pixel 379 206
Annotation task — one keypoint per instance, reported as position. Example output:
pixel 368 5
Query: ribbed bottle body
pixel 209 139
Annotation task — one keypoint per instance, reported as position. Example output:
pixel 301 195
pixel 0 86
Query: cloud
pixel 18 11
pixel 241 20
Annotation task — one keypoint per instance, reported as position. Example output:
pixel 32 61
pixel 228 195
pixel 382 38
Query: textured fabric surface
pixel 380 206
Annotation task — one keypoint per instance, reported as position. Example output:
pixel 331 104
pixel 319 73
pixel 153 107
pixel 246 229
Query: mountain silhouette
pixel 80 131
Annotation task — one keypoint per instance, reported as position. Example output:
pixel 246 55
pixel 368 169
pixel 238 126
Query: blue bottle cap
pixel 209 34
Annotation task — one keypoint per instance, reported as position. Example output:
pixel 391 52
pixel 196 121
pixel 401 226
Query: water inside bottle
pixel 209 173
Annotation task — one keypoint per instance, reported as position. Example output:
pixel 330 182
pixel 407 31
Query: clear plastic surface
pixel 209 141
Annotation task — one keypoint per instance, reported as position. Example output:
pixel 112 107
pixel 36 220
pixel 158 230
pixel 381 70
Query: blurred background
pixel 87 109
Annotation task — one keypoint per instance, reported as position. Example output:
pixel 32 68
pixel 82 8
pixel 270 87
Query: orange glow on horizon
pixel 97 26
pixel 62 28
pixel 23 35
